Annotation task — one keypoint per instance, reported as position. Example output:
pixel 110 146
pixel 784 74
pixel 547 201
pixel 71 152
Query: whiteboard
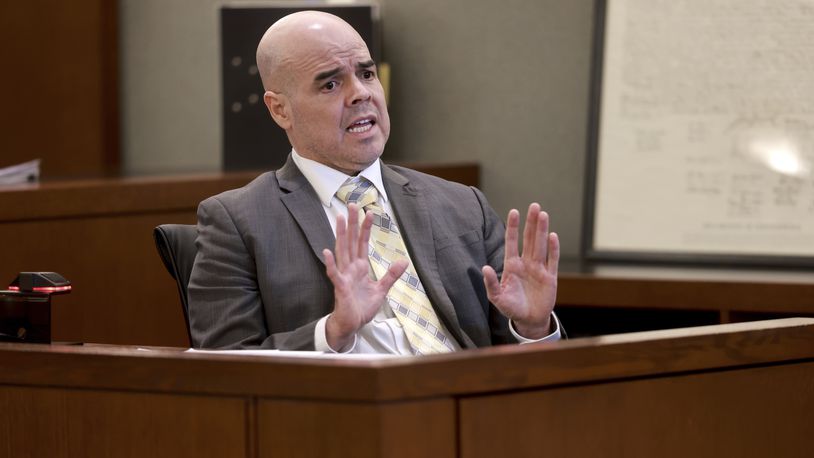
pixel 703 130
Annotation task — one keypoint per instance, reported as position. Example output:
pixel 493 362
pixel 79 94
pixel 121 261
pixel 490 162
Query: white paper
pixel 26 172
pixel 706 142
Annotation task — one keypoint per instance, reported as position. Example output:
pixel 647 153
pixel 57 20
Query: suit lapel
pixel 414 220
pixel 303 203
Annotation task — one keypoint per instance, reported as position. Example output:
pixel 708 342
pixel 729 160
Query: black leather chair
pixel 176 245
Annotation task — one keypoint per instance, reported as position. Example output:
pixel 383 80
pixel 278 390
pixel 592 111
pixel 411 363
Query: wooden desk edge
pixel 123 195
pixel 762 291
pixel 469 372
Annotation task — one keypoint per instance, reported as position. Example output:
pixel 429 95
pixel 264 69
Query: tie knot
pixel 357 190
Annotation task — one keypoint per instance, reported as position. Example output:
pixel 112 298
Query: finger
pixel 393 273
pixel 553 253
pixel 491 283
pixel 512 224
pixel 353 231
pixel 364 235
pixel 330 266
pixel 340 249
pixel 541 238
pixel 530 230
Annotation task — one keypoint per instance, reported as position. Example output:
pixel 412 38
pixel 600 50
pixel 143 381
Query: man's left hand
pixel 527 290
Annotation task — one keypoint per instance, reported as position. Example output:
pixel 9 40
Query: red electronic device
pixel 25 308
pixel 40 282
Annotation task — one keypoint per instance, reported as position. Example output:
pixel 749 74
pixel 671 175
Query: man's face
pixel 338 115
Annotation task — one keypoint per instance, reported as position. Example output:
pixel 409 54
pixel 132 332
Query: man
pixel 431 275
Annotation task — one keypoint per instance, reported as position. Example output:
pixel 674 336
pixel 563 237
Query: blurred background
pixel 134 87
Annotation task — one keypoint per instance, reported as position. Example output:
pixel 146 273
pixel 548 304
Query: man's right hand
pixel 357 297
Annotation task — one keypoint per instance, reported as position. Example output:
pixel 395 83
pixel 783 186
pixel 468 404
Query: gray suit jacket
pixel 259 277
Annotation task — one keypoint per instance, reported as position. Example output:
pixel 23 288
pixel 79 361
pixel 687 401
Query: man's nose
pixel 359 92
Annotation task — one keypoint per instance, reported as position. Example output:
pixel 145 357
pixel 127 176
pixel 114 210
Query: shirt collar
pixel 326 181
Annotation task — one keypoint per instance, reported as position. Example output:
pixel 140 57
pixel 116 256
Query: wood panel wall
pixel 60 86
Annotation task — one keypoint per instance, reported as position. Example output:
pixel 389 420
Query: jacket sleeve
pixel 226 308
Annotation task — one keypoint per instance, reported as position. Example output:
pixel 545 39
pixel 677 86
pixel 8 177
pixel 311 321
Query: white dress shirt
pixel 383 334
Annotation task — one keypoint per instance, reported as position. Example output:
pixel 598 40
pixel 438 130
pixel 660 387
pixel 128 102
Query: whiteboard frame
pixel 688 257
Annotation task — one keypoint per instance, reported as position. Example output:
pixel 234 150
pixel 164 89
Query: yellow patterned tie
pixel 407 297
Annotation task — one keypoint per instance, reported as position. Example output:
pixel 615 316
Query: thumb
pixel 491 283
pixel 393 273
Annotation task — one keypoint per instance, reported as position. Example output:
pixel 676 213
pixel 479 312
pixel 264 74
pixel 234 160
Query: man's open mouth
pixel 360 126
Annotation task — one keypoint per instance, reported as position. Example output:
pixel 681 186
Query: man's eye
pixel 368 74
pixel 330 85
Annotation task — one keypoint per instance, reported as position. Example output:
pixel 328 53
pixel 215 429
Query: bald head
pixel 292 37
pixel 322 88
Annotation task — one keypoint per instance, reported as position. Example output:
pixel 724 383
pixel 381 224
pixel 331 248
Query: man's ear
pixel 278 106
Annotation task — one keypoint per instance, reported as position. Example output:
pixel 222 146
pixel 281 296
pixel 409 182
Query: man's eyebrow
pixel 327 74
pixel 335 71
pixel 366 64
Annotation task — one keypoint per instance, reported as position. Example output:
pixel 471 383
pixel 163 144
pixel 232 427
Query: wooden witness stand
pixel 741 390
